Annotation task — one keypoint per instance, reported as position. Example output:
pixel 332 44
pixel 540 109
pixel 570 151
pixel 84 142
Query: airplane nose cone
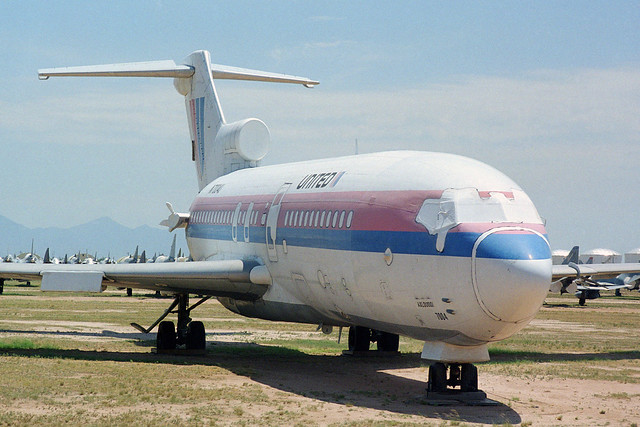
pixel 511 273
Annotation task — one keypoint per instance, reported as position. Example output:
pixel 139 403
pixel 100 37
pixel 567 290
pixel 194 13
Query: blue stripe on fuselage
pixel 502 246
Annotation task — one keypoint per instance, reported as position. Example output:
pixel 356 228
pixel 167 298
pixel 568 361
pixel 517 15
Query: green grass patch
pixel 23 344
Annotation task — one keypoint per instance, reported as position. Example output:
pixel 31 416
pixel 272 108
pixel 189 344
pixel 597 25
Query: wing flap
pixel 72 281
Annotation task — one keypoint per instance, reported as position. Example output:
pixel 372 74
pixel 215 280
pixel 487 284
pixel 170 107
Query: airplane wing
pixel 595 271
pixel 571 277
pixel 245 280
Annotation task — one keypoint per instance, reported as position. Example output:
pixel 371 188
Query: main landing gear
pixel 190 334
pixel 361 337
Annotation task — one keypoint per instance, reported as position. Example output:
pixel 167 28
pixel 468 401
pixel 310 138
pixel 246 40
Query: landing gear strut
pixel 189 333
pixel 361 337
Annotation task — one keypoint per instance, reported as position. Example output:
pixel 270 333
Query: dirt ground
pixel 328 389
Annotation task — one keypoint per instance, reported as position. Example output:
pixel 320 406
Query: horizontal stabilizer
pixel 166 68
pixel 235 73
pixel 169 68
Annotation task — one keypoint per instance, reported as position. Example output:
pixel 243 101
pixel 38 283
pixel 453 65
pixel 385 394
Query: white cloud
pixel 568 137
pixel 585 107
pixel 97 117
pixel 325 18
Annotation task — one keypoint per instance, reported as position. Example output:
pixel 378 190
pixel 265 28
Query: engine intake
pixel 248 138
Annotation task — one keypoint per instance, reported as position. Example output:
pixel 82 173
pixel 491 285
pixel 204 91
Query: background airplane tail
pixel 217 147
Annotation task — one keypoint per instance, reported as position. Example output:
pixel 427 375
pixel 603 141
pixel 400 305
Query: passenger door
pixel 272 222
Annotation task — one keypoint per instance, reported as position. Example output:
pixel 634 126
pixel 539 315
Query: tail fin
pixel 172 252
pixel 572 256
pixel 217 147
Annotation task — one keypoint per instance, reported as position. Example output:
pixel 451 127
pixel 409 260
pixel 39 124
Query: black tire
pixel 196 338
pixel 388 342
pixel 129 292
pixel 166 338
pixel 468 377
pixel 359 338
pixel 437 378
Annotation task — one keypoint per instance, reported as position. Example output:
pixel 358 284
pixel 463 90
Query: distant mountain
pixel 103 235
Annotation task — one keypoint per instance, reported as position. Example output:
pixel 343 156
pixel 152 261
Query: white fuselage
pixel 434 246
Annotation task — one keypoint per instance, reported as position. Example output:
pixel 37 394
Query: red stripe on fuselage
pixel 373 210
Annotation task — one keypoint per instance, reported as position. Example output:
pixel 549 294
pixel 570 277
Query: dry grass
pixel 75 359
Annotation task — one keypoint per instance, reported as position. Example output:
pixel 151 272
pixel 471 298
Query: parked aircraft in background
pixel 129 259
pixel 48 260
pixel 582 282
pixel 172 253
pixel 435 246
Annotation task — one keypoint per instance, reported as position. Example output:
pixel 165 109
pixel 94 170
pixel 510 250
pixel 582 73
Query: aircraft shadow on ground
pixel 533 356
pixel 368 382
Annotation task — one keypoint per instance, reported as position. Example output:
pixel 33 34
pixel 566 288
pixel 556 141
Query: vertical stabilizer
pixel 172 252
pixel 204 116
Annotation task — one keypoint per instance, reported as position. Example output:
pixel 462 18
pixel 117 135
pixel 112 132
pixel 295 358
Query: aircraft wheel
pixel 388 342
pixel 166 338
pixel 359 338
pixel 196 338
pixel 468 377
pixel 437 378
pixel 129 292
pixel 582 301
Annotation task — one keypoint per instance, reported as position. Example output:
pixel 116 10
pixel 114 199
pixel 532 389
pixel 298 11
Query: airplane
pixel 48 260
pixel 172 253
pixel 129 259
pixel 438 247
pixel 585 287
pixel 28 257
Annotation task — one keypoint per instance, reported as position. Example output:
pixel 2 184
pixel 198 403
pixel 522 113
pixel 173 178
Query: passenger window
pixel 335 219
pixel 286 219
pixel 306 218
pixel 349 219
pixel 341 219
pixel 295 220
pixel 322 218
pixel 315 223
pixel 326 224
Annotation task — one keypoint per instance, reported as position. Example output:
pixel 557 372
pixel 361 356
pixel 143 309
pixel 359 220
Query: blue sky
pixel 547 92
